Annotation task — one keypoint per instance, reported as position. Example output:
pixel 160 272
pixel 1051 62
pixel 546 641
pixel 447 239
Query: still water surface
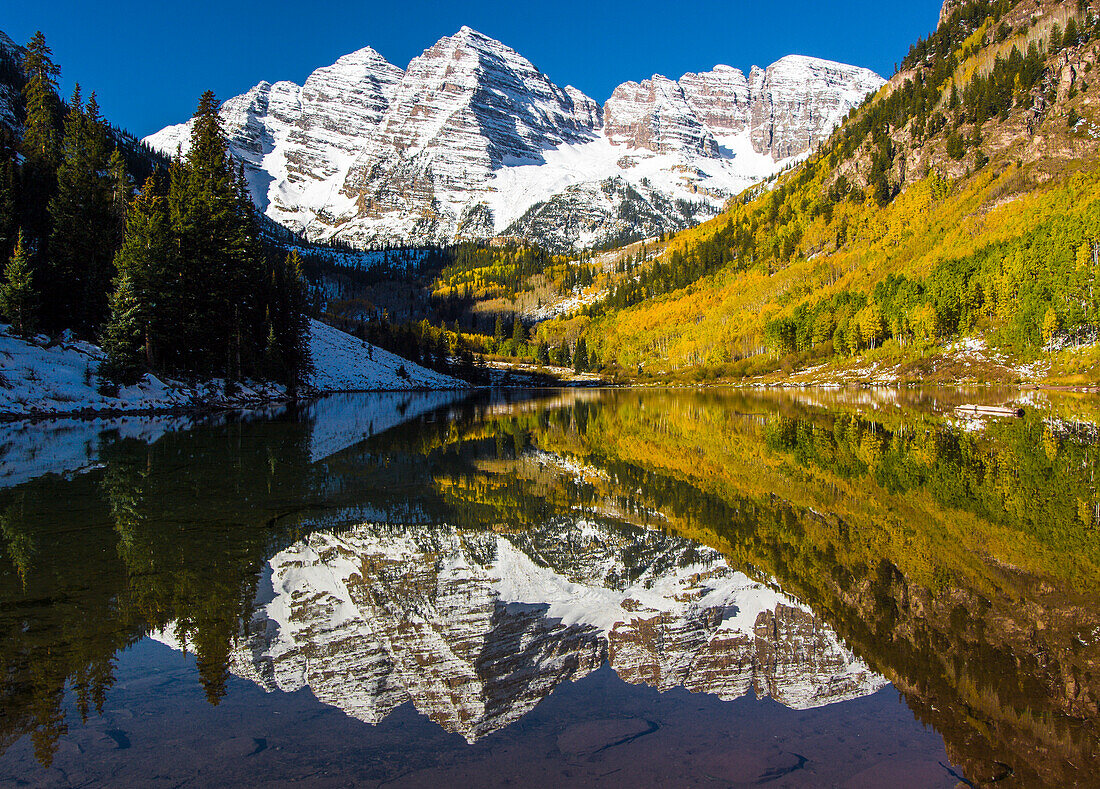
pixel 565 588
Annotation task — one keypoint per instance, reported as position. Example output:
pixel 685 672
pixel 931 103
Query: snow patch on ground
pixel 40 376
pixel 978 361
pixel 347 364
pixel 568 305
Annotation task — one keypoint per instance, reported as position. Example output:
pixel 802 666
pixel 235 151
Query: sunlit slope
pixel 959 201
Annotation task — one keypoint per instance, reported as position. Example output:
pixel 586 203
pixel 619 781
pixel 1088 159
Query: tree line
pixel 171 278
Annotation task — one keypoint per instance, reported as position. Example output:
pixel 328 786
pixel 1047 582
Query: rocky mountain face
pixel 784 109
pixel 473 141
pixel 476 628
pixel 11 57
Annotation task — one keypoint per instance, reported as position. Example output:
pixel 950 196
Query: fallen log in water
pixel 992 410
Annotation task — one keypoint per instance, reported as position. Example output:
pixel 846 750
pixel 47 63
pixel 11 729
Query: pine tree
pixel 580 356
pixel 273 358
pixel 1071 35
pixel 37 176
pixel 83 240
pixel 219 260
pixel 289 325
pixel 120 189
pixel 193 293
pixel 125 336
pixel 145 300
pixel 7 207
pixel 40 93
pixel 18 299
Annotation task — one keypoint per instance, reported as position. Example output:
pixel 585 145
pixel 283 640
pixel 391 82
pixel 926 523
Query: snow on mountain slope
pixel 798 101
pixel 38 376
pixel 297 142
pixel 464 108
pixel 476 628
pixel 347 364
pixel 472 136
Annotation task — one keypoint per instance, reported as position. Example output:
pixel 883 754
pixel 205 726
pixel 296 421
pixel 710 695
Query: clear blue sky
pixel 149 61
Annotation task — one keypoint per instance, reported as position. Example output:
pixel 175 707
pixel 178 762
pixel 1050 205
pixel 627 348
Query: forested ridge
pixel 958 201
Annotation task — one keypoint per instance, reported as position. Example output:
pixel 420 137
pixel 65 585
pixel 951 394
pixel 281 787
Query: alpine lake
pixel 856 588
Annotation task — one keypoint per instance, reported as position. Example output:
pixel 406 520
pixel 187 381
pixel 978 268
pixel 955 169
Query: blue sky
pixel 149 61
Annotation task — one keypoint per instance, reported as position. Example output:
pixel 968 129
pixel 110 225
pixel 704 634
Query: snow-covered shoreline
pixel 41 378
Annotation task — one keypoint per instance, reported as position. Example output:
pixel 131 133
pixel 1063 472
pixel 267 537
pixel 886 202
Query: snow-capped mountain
pixel 475 628
pixel 473 141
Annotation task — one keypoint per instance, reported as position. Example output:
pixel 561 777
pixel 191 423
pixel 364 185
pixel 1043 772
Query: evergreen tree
pixel 194 294
pixel 273 358
pixel 40 93
pixel 580 356
pixel 287 321
pixel 219 260
pixel 39 144
pixel 120 187
pixel 126 336
pixel 144 303
pixel 7 207
pixel 1070 37
pixel 18 300
pixel 84 236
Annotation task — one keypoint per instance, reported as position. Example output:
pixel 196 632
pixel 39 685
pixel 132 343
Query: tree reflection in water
pixel 961 565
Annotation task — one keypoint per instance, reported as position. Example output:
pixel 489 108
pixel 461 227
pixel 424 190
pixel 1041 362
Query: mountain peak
pixel 472 135
pixel 362 56
pixel 468 37
pixel 816 63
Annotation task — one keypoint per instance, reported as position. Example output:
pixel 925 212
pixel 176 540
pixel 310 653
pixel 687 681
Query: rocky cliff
pixel 471 138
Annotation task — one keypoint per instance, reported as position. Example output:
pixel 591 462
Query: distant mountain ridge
pixel 473 141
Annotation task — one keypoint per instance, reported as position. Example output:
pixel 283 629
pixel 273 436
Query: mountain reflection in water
pixel 468 557
pixel 475 629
